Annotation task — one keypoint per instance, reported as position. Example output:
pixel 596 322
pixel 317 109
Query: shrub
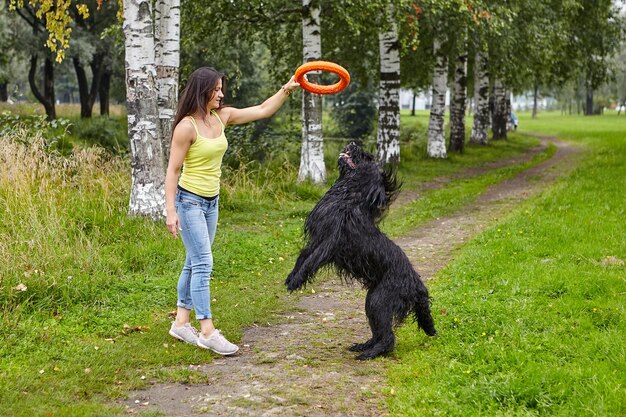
pixel 110 134
pixel 54 133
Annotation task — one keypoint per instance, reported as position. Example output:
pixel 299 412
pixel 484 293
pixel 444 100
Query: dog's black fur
pixel 342 231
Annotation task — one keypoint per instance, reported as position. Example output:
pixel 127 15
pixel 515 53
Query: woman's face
pixel 216 96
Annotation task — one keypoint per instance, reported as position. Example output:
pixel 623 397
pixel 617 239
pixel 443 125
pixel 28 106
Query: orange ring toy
pixel 322 66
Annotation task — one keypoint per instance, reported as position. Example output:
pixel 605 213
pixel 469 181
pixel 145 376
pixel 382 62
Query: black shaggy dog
pixel 342 230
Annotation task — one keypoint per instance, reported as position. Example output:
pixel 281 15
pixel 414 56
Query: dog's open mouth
pixel 347 159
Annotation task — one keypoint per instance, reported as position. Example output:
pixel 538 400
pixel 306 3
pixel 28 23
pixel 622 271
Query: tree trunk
pixel 4 91
pixel 88 94
pixel 458 103
pixel 388 140
pixel 81 77
pixel 148 171
pixel 167 56
pixel 312 166
pixel 589 102
pixel 103 90
pixel 413 104
pixel 509 110
pixel 97 65
pixel 500 116
pixel 535 99
pixel 436 138
pixel 481 100
pixel 46 98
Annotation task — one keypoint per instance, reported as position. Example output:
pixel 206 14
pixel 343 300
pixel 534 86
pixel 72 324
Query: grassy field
pixel 535 321
pixel 85 291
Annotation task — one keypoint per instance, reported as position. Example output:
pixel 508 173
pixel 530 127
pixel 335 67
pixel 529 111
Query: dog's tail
pixel 421 310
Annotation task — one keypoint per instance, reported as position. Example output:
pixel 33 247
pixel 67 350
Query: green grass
pixel 534 318
pixel 92 321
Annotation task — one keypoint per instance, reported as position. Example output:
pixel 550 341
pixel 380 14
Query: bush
pixel 53 132
pixel 110 134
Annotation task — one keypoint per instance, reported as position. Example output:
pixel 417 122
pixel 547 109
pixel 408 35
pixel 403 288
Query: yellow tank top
pixel 202 167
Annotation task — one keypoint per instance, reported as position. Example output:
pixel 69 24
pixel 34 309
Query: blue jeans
pixel 198 222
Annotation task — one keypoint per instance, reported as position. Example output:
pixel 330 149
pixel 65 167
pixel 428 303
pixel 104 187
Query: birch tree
pixel 167 58
pixel 147 194
pixel 436 138
pixel 312 166
pixel 480 127
pixel 500 114
pixel 459 98
pixel 388 140
pixel 147 59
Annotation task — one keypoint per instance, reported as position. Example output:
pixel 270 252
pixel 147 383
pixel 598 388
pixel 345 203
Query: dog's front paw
pixel 292 283
pixel 361 347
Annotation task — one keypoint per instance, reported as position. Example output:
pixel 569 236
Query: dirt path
pixel 301 367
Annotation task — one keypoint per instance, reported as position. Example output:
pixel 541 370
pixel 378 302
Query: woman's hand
pixel 173 225
pixel 291 85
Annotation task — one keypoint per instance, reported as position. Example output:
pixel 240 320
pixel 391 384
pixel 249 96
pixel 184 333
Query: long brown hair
pixel 198 91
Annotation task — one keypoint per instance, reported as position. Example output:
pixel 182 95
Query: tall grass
pixel 48 200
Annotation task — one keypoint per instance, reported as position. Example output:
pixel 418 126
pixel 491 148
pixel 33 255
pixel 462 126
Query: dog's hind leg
pixel 310 260
pixel 380 317
pixel 422 313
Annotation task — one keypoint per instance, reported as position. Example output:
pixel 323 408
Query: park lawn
pixel 531 314
pixel 85 291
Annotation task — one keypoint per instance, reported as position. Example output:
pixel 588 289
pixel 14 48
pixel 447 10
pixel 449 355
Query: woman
pixel 198 145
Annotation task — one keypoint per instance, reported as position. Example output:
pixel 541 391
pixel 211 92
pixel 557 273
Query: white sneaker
pixel 187 333
pixel 217 343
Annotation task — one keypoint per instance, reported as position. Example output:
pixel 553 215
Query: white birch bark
pixel 312 166
pixel 167 59
pixel 436 138
pixel 480 127
pixel 458 101
pixel 500 115
pixel 388 140
pixel 148 171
